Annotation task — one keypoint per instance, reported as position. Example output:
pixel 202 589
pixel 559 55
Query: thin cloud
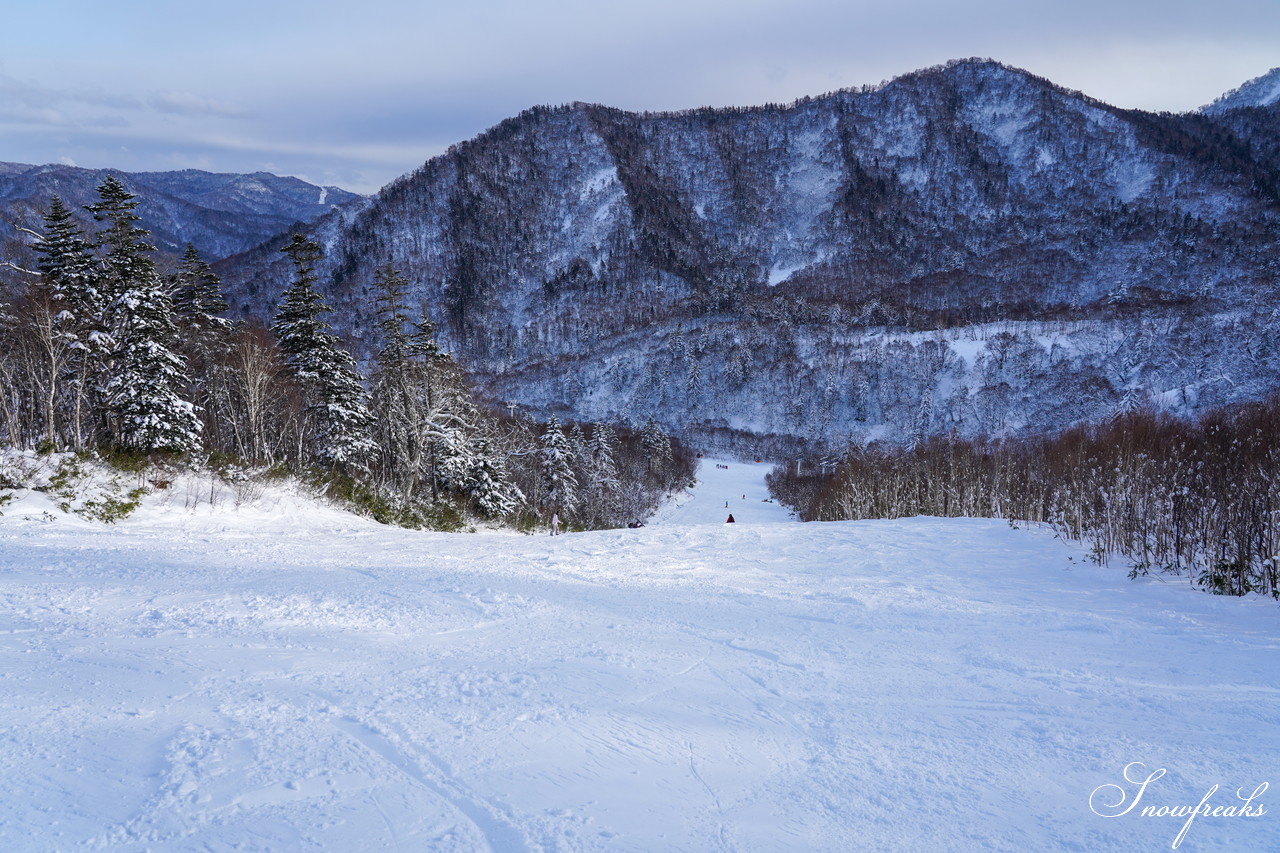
pixel 189 104
pixel 43 116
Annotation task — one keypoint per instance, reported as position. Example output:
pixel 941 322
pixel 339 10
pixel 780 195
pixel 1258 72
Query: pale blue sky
pixel 356 94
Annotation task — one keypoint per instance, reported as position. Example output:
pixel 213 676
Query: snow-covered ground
pixel 280 677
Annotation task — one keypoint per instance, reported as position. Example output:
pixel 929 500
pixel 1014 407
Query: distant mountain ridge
pixel 221 214
pixel 1262 91
pixel 967 248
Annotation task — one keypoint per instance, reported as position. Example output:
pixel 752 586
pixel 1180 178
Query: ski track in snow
pixel 302 680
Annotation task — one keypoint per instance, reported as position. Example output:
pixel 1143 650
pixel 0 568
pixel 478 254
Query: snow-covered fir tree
pixel 339 419
pixel 145 378
pixel 74 316
pixel 450 416
pixel 204 340
pixel 656 443
pixel 488 484
pixel 578 452
pixel 144 392
pixel 398 424
pixel 557 469
pixel 197 297
pixel 67 265
pixel 126 257
pixel 602 487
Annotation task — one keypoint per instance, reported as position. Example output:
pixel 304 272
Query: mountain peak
pixel 1259 92
pixel 971 66
pixel 979 72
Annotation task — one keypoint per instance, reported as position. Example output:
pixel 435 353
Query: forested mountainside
pixel 968 248
pixel 220 214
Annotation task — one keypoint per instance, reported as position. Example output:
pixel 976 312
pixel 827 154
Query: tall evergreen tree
pixel 488 483
pixel 72 314
pixel 557 469
pixel 340 422
pixel 67 265
pixel 450 415
pixel 656 444
pixel 197 297
pixel 602 489
pixel 145 390
pixel 126 258
pixel 143 379
pixel 205 341
pixel 604 445
pixel 578 443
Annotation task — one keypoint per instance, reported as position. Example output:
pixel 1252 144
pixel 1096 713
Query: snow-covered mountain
pixel 1261 91
pixel 221 214
pixel 967 248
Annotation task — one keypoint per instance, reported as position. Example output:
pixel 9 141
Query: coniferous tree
pixel 198 299
pixel 603 447
pixel 656 443
pixel 144 378
pixel 488 483
pixel 72 316
pixel 557 469
pixel 144 392
pixel 578 442
pixel 126 258
pixel 602 489
pixel 451 417
pixel 67 265
pixel 339 424
pixel 580 460
pixel 204 340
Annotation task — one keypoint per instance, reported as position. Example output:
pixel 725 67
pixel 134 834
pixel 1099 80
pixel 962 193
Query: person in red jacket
pixel 730 521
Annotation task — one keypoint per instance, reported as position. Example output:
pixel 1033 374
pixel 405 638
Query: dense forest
pixel 103 355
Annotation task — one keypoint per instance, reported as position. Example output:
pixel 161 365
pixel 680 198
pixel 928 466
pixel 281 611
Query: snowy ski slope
pixel 283 677
pixel 725 487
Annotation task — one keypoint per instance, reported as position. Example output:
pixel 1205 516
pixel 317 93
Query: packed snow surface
pixel 284 677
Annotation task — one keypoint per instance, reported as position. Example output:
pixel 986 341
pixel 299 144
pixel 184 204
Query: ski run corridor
pixel 270 674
